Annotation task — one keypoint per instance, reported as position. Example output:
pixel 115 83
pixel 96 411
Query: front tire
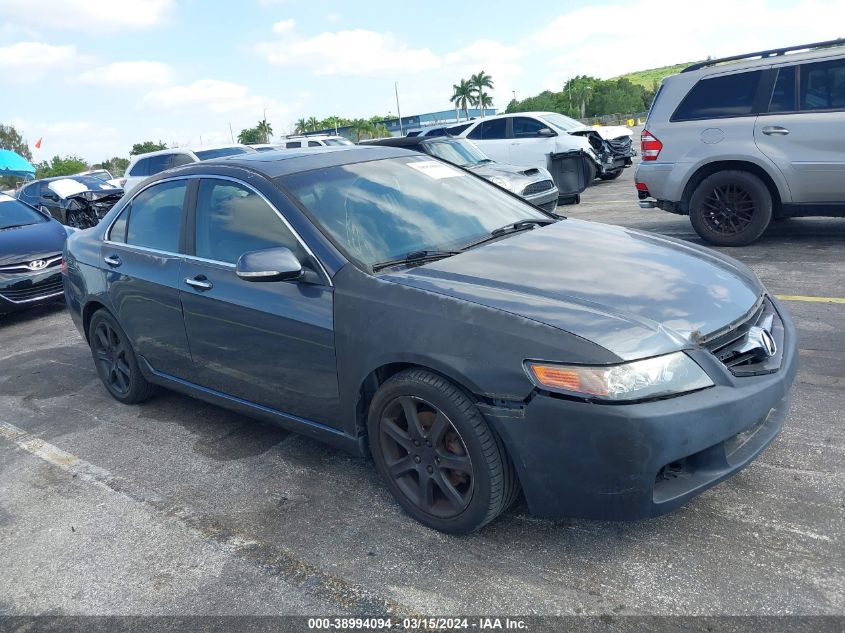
pixel 731 208
pixel 115 360
pixel 439 458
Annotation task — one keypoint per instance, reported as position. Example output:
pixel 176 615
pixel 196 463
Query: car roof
pixel 407 141
pixel 54 178
pixel 277 163
pixel 193 150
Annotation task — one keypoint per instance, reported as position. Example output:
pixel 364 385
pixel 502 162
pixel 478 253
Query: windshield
pixel 102 175
pixel 337 141
pixel 208 154
pixel 16 213
pixel 562 123
pixel 65 187
pixel 461 153
pixel 385 209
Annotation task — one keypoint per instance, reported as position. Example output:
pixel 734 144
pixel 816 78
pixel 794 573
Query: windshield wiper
pixel 514 227
pixel 414 257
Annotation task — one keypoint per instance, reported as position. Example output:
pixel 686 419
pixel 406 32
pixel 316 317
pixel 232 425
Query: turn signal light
pixel 566 379
pixel 650 145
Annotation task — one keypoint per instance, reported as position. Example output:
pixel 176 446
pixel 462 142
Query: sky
pixel 92 77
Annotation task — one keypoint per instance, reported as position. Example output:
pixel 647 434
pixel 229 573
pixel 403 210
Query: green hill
pixel 648 78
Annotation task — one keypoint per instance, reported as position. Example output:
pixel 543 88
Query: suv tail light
pixel 650 145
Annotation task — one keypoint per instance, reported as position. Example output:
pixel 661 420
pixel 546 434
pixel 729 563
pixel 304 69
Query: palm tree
pixel 463 96
pixel 265 129
pixel 381 131
pixel 300 127
pixel 364 128
pixel 484 100
pixel 313 124
pixel 479 82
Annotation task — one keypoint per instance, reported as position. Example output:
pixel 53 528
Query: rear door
pixel 269 343
pixel 141 260
pixel 492 139
pixel 527 147
pixel 803 130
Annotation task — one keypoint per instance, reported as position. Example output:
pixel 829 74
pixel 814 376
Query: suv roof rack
pixel 762 54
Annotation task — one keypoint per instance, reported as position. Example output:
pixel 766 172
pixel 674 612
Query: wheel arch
pixel 88 311
pixel 732 165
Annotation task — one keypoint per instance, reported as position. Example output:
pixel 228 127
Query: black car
pixel 79 201
pixel 31 246
pixel 392 304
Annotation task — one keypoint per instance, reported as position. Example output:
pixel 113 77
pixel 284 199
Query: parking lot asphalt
pixel 178 507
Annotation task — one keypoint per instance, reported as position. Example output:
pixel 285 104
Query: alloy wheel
pixel 426 457
pixel 110 354
pixel 728 209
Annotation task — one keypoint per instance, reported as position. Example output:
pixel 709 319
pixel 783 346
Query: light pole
pixel 398 110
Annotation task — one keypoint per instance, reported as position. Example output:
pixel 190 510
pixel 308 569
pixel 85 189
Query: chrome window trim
pixel 203 259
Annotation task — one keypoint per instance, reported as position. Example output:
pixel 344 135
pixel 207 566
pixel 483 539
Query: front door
pixel 803 132
pixel 269 343
pixel 528 147
pixel 492 139
pixel 141 262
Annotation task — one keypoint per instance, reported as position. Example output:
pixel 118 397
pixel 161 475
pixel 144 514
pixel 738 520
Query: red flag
pixel 38 144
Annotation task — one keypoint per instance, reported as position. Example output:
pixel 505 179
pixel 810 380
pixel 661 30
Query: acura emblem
pixel 761 339
pixel 38 264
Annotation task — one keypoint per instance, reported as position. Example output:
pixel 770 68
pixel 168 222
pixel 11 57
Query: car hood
pixel 513 173
pixel 634 293
pixel 33 241
pixel 607 132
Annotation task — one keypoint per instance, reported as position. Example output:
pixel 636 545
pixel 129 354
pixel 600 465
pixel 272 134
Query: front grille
pixel 27 291
pixel 24 267
pixel 537 187
pixel 621 146
pixel 741 348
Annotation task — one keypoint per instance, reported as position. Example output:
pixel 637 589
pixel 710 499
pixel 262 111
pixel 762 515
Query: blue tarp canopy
pixel 13 164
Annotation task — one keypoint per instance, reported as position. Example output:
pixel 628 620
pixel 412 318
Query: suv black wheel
pixel 731 208
pixel 115 360
pixel 441 461
pixel 612 175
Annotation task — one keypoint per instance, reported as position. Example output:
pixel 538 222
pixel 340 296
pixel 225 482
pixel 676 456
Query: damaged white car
pixel 529 138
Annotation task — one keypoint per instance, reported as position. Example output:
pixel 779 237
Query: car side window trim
pixel 192 228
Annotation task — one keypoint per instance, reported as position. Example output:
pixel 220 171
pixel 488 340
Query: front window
pixel 209 154
pixel 460 153
pixel 385 209
pixel 155 216
pixel 14 213
pixel 561 123
pixel 102 175
pixel 338 141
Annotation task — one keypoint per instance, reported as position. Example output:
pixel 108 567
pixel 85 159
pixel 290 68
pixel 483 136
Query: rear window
pixel 494 129
pixel 720 97
pixel 293 144
pixel 208 154
pixel 783 95
pixel 156 164
pixel 141 168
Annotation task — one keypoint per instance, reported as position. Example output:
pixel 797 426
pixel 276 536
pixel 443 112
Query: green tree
pixel 484 101
pixel 381 131
pixel 313 124
pixel 300 127
pixel 60 166
pixel 265 129
pixel 147 146
pixel 580 90
pixel 116 166
pixel 463 95
pixel 250 135
pixel 363 128
pixel 11 139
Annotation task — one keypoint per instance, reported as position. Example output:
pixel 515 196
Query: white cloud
pixel 27 62
pixel 284 26
pixel 86 14
pixel 333 17
pixel 348 52
pixel 613 39
pixel 216 95
pixel 129 73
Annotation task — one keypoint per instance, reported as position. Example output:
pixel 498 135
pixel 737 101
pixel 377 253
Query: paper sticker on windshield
pixel 434 169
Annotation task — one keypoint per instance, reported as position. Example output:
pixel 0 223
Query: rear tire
pixel 419 425
pixel 115 360
pixel 731 208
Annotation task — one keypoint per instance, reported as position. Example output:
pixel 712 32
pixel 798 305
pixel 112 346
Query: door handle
pixel 112 260
pixel 199 282
pixel 775 130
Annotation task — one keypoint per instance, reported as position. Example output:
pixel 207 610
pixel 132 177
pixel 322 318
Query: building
pixel 416 121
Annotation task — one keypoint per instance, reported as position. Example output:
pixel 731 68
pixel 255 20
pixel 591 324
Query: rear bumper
pixel 663 181
pixel 625 462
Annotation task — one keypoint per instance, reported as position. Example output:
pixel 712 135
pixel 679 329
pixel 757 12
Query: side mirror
pixel 544 131
pixel 270 264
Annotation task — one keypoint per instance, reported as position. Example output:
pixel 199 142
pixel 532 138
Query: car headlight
pixel 501 182
pixel 671 374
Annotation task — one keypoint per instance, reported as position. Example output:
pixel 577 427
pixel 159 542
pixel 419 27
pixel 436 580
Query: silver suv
pixel 740 141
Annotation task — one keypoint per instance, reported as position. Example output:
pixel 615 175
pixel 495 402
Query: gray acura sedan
pixel 392 304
